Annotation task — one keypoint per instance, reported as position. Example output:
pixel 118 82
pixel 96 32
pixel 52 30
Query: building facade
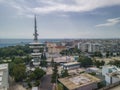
pixel 4 84
pixel 111 73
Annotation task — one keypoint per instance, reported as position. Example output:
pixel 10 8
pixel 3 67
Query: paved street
pixel 46 83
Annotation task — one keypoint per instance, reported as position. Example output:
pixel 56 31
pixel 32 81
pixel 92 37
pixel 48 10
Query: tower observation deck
pixel 36 45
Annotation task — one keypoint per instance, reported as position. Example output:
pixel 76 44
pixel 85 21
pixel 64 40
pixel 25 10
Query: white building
pixel 89 47
pixel 4 77
pixel 111 73
pixel 93 69
pixel 71 65
pixel 34 88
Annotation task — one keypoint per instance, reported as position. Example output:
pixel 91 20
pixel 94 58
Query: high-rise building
pixel 4 84
pixel 36 45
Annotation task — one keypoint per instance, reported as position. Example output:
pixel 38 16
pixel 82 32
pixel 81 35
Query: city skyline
pixel 60 18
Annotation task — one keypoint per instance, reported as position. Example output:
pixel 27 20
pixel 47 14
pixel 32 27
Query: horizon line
pixel 64 38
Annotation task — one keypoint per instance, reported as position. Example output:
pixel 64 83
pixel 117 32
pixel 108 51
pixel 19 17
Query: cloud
pixel 50 6
pixel 77 6
pixel 110 22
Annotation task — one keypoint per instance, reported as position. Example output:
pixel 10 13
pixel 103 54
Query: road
pixel 46 83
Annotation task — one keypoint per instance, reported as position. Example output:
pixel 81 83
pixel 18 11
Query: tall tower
pixel 36 45
pixel 35 32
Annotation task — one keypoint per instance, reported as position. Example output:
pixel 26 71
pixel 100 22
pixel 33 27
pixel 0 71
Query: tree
pixel 32 76
pixel 11 67
pixel 43 62
pixel 85 61
pixel 37 83
pixel 15 51
pixel 18 60
pixel 42 57
pixel 115 62
pixel 70 51
pixel 102 63
pixel 101 84
pixel 19 72
pixel 64 73
pixel 39 73
pixel 107 54
pixel 29 85
pixel 60 87
pixel 97 54
pixel 99 63
pixel 27 59
pixel 52 62
pixel 54 74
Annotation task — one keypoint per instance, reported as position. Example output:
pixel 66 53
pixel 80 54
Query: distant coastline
pixel 14 42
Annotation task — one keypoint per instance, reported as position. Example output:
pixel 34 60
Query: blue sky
pixel 60 18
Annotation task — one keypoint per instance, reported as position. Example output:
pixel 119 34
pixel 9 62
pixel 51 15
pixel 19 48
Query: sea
pixel 14 42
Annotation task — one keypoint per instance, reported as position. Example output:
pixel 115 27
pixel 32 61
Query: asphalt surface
pixel 46 83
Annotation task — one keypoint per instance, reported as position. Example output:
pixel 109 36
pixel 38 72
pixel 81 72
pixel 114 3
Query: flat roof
pixel 93 68
pixel 36 43
pixel 3 66
pixel 71 63
pixel 34 88
pixel 62 59
pixel 74 82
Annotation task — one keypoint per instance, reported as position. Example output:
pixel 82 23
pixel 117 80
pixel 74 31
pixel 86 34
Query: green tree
pixel 11 67
pixel 39 73
pixel 54 74
pixel 19 72
pixel 43 62
pixel 99 63
pixel 64 73
pixel 29 85
pixel 32 76
pixel 15 51
pixel 102 63
pixel 52 62
pixel 27 59
pixel 85 61
pixel 107 54
pixel 97 54
pixel 37 83
pixel 60 87
pixel 18 60
pixel 115 62
pixel 101 84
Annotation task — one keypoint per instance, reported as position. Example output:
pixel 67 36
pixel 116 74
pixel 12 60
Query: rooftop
pixel 71 63
pixel 36 43
pixel 75 82
pixel 3 66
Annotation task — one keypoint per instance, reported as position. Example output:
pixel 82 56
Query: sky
pixel 60 18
